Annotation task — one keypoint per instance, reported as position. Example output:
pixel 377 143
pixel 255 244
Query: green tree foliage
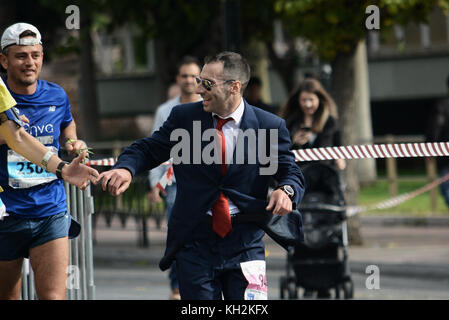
pixel 184 27
pixel 337 26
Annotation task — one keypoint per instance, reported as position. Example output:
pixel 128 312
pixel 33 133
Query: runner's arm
pixel 23 143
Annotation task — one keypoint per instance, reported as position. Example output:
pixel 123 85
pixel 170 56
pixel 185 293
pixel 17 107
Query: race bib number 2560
pixel 25 174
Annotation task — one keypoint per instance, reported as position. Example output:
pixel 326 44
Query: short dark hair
pixel 188 60
pixel 27 33
pixel 5 50
pixel 235 67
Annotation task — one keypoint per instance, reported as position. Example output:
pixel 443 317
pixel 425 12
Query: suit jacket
pixel 199 185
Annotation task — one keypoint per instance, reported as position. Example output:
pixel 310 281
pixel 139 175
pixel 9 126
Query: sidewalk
pixel 405 247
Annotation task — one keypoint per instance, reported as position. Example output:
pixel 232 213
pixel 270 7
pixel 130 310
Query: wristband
pixel 45 159
pixel 59 169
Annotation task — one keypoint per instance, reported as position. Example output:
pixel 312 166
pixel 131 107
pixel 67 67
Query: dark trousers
pixel 209 266
pixel 169 202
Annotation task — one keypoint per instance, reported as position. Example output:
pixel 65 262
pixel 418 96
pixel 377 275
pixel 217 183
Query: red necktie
pixel 221 218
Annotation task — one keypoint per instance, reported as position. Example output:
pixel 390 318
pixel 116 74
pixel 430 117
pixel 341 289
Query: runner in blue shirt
pixel 37 224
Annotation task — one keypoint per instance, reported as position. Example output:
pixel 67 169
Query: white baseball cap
pixel 12 35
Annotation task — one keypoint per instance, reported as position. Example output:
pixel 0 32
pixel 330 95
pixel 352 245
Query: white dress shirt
pixel 230 131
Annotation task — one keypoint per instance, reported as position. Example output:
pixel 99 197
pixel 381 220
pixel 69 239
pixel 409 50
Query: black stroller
pixel 320 263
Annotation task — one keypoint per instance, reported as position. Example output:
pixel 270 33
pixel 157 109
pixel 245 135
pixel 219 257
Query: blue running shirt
pixel 30 191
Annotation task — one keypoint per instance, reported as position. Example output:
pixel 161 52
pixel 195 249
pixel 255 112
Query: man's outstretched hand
pixel 116 181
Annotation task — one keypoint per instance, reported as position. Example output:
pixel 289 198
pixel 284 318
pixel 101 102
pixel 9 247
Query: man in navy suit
pixel 216 255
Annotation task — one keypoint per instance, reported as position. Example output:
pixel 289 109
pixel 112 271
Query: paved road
pixel 144 283
pixel 413 263
pixel 131 284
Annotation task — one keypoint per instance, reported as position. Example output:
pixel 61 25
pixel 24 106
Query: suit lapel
pixel 249 119
pixel 207 122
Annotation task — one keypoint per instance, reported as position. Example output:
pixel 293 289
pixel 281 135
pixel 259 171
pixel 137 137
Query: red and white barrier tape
pixel 399 150
pixel 392 202
pixel 108 162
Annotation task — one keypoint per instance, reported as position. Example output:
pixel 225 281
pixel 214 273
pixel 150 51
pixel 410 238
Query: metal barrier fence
pixel 133 204
pixel 80 280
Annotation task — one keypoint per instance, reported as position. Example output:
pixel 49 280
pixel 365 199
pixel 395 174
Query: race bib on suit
pixel 254 272
pixel 25 174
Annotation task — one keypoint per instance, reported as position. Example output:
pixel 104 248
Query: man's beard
pixel 24 82
pixel 27 83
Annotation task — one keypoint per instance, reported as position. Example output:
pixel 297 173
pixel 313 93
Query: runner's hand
pixel 75 147
pixel 79 174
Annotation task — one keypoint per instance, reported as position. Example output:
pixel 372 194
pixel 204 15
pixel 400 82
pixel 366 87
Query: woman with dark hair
pixel 311 117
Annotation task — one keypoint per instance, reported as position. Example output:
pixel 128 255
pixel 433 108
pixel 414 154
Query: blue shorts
pixel 18 235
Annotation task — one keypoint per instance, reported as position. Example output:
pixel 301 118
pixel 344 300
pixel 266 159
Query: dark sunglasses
pixel 207 84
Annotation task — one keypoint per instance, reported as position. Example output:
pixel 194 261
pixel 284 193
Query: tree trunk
pixel 366 168
pixel 343 91
pixel 284 66
pixel 89 114
pixel 162 78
